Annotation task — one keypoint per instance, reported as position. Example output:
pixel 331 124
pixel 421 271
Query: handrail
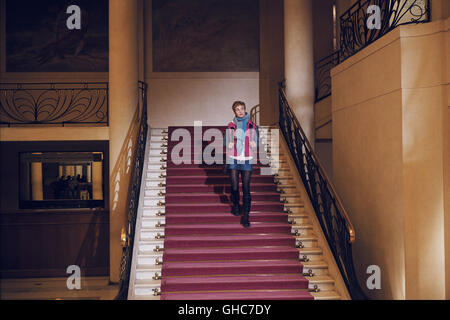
pixel 351 229
pixel 28 103
pixel 127 250
pixel 333 218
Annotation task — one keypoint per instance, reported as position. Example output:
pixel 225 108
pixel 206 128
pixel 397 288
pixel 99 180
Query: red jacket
pixel 250 133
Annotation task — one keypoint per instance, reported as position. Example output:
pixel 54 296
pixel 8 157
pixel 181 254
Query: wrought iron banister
pixel 136 178
pixel 355 34
pixel 54 103
pixel 322 76
pixel 255 114
pixel 333 218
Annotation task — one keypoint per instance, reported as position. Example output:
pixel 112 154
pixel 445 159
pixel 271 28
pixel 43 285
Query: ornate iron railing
pixel 54 103
pixel 355 34
pixel 358 31
pixel 330 212
pixel 255 113
pixel 322 76
pixel 136 178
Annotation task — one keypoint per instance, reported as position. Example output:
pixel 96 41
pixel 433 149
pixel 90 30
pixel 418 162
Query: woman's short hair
pixel 236 104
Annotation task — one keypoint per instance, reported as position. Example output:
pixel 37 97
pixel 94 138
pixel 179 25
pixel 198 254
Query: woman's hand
pixel 230 145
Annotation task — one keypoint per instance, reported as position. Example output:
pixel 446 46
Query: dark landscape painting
pixel 38 39
pixel 205 35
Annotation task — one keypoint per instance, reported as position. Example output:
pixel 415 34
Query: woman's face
pixel 239 111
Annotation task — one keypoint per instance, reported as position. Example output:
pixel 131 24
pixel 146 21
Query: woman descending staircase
pixel 190 246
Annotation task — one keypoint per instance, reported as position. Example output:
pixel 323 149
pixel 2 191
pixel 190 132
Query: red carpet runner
pixel 209 255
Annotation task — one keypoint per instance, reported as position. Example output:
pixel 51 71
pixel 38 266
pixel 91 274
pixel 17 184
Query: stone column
pixel 299 62
pixel 123 100
pixel 78 170
pixel 88 173
pixel 97 181
pixel 70 171
pixel 36 181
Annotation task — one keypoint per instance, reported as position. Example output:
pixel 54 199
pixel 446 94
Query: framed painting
pixel 205 35
pixel 40 36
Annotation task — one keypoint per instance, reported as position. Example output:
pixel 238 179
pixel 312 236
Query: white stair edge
pixel 137 234
pixel 332 285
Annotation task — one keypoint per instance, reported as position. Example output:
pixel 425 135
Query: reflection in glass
pixel 61 179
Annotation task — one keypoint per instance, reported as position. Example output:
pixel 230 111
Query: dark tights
pixel 245 176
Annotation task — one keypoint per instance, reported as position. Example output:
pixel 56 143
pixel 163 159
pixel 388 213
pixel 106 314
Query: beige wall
pixel 389 129
pixel 423 58
pixel 53 133
pixel 440 9
pixel 208 96
pixel 177 100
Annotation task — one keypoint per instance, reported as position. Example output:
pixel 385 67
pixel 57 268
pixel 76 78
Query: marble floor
pixel 92 288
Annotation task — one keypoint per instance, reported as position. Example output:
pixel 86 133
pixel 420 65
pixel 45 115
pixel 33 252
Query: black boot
pixel 236 209
pixel 245 219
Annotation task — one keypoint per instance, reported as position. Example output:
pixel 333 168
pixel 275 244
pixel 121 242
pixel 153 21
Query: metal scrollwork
pixel 356 35
pixel 54 103
pixel 322 75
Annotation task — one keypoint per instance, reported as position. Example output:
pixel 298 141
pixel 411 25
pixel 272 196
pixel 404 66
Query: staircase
pixel 188 245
